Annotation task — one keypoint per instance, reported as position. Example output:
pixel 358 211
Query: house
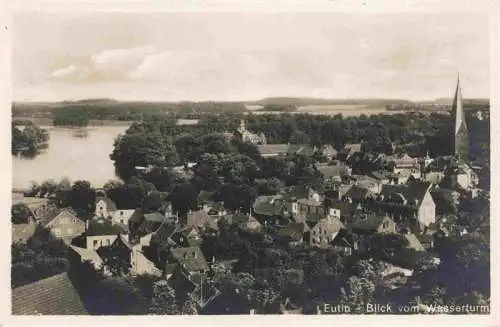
pixel 141 265
pixel 329 152
pixel 383 177
pixel 323 230
pixel 294 232
pixel 369 223
pixel 122 216
pixel 245 135
pixel 404 162
pixel 244 221
pixel 37 206
pixel 412 201
pixel 195 286
pixel 270 209
pixel 273 150
pixel 190 258
pixel 205 218
pixel 367 182
pixel 101 233
pixel 55 295
pixel 312 204
pixel 66 225
pixel 186 237
pixel 340 209
pixel 434 177
pixel 334 172
pixel 141 224
pixel 104 207
pixel 22 232
pixel 87 255
pixel 350 149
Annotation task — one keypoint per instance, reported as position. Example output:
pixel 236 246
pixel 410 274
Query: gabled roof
pixel 67 211
pixel 55 295
pixel 110 205
pixel 124 214
pixel 368 222
pixel 180 282
pixel 164 232
pixel 87 254
pixel 293 230
pixel 22 232
pixel 200 218
pixel 101 228
pixel 268 205
pixel 191 258
pixel 413 242
pixel 413 192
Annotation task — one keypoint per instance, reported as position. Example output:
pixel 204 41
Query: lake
pixel 73 153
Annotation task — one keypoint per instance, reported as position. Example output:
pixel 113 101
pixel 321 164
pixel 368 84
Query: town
pixel 248 221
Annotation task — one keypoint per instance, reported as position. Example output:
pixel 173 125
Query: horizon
pixel 172 57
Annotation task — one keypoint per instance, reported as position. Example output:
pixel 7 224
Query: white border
pixel 342 6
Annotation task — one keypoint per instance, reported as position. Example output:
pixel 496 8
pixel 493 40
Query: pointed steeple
pixel 457 108
pixel 461 133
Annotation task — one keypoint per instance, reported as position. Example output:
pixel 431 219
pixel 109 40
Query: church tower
pixel 461 133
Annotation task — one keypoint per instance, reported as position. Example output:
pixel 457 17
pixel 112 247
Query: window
pixel 95 243
pixel 121 221
pixel 100 208
pixel 108 242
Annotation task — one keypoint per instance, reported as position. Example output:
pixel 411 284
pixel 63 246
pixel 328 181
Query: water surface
pixel 73 153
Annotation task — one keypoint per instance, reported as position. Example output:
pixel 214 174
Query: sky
pixel 248 56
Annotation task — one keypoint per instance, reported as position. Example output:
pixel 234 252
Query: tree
pixel 48 188
pixel 117 261
pixel 184 198
pixel 127 196
pixel 357 293
pixel 82 198
pixel 165 302
pixel 41 257
pixel 112 184
pixel 142 148
pixel 20 213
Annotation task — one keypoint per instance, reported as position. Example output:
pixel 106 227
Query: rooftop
pixel 191 258
pixel 103 227
pixel 55 295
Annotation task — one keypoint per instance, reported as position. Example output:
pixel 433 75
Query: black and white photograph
pixel 250 163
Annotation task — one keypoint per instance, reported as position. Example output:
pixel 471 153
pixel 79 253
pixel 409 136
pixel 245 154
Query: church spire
pixel 461 137
pixel 458 108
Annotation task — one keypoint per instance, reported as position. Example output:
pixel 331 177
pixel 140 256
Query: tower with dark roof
pixel 460 139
